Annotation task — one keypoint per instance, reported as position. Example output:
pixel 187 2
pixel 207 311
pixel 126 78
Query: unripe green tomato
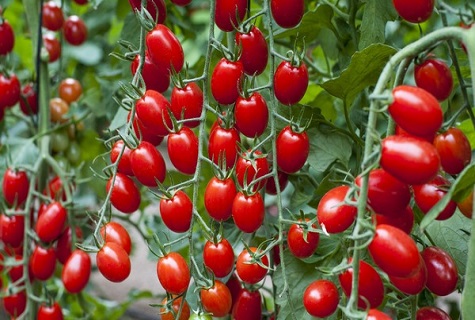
pixel 63 162
pixel 74 153
pixel 200 317
pixel 59 141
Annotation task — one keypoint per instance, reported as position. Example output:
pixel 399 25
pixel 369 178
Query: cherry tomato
pixel 51 222
pixel 176 303
pixel 219 257
pixel 15 304
pixel 10 88
pixel 43 262
pixel 226 81
pixel 64 244
pixel 375 314
pixel 434 76
pixel 333 214
pixel 234 286
pixel 254 52
pixel 58 109
pixel 292 150
pixel 81 2
pixel 177 212
pixel 124 165
pixel 321 298
pixel 187 103
pixel 55 189
pixel 250 167
pixel 156 8
pixel 70 90
pixel 12 230
pixel 217 300
pixel 432 313
pixel 442 273
pixel 466 206
pixel 248 306
pixel 53 312
pixel 287 13
pixel 218 198
pixel 183 150
pixel 283 180
pixel 76 271
pixel 75 31
pixel 148 164
pixel 454 150
pixel 410 160
pixel 173 273
pixel 152 111
pixel 251 115
pixel 248 211
pixel 230 13
pixel 394 251
pixel 248 269
pixel 115 232
pixel 155 77
pixel 223 145
pixel 7 36
pixel 15 186
pixel 429 194
pixel 113 262
pixel 414 11
pixel 29 99
pixel 290 82
pixel 302 243
pixel 125 195
pixel 144 133
pixel 16 272
pixel 413 284
pixel 401 132
pixel 53 17
pixel 52 46
pixel 404 220
pixel 164 48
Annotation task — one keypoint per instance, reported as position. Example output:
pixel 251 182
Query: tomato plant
pixel 219 197
pixel 251 115
pixel 176 303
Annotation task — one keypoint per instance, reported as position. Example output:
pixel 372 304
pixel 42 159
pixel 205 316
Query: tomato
pixel 15 304
pixel 152 109
pixel 454 150
pixel 442 273
pixel 254 52
pixel 248 211
pixel 177 212
pixel 81 2
pixel 7 36
pixel 290 82
pixel 148 164
pixel 413 284
pixel 125 195
pixel 251 115
pixel 287 13
pixel 55 189
pixel 410 160
pixel 51 222
pixel 386 195
pixel 332 214
pixel 43 262
pixel 156 8
pixel 292 150
pixel 432 313
pixel 143 132
pixel 250 167
pixel 183 150
pixel 53 312
pixel 401 132
pixel 416 111
pixel 218 198
pixel 73 153
pixel 302 243
pixel 10 88
pixel 248 306
pixel 375 314
pixel 115 232
pixel 52 46
pixel 75 31
pixel 187 103
pixel 434 76
pixel 64 244
pixel 53 17
pixel 429 194
pixel 58 109
pixel 394 251
pixel 16 272
pixel 181 3
pixel 230 13
pixel 59 141
pixel 15 186
pixel 76 271
pixel 124 166
pixel 282 179
pixel 248 269
pixel 216 300
pixel 466 206
pixel 234 286
pixel 70 90
pixel 175 306
pixel 164 48
pixel 414 11
pixel 219 257
pixel 321 298
pixel 29 99
pixel 12 230
pixel 223 145
pixel 370 285
pixel 404 220
pixel 113 262
pixel 173 273
pixel 226 81
pixel 155 77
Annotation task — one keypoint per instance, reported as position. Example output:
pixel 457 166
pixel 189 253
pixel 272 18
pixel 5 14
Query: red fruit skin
pixel 43 262
pixel 251 115
pixel 125 194
pixel 375 314
pixel 173 273
pixel 8 38
pixel 53 18
pixel 442 272
pixel 124 165
pixel 287 13
pixel 335 216
pixel 155 78
pixel 52 46
pixel 432 313
pixel 53 312
pixel 51 223
pixel 177 212
pixel 248 212
pixel 254 51
pixel 113 262
pixel 283 180
pixel 290 82
pixel 292 150
pixel 143 132
pixel 454 150
pixel 250 167
pixel 413 284
pixel 321 298
pixel 183 150
pixel 217 300
pixel 219 257
pixel 152 111
pixel 250 273
pixel 164 48
pixel 10 89
pixel 429 194
pixel 115 232
pixel 64 244
pixel 223 144
pixel 404 220
pixel 189 101
pixel 230 13
pixel 76 271
pixel 226 81
pixel 28 100
pixel 434 76
pixel 156 8
pixel 15 186
pixel 218 198
pixel 148 164
pixel 247 306
pixel 300 246
pixel 414 11
pixel 75 31
pixel 12 230
pixel 15 304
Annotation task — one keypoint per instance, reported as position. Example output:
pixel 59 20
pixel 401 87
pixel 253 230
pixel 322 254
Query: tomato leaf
pixel 375 15
pixel 328 148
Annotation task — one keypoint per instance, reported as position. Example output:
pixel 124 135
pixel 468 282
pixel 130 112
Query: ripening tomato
pixel 75 31
pixel 53 17
pixel 247 306
pixel 148 164
pixel 164 48
pixel 10 88
pixel 413 284
pixel 321 298
pixel 115 232
pixel 76 271
pixel 375 314
pixel 251 115
pixel 230 13
pixel 64 244
pixel 442 273
pixel 254 52
pixel 124 166
pixel 58 109
pixel 251 166
pixel 183 150
pixel 394 251
pixel 187 103
pixel 15 304
pixel 219 257
pixel 223 145
pixel 125 195
pixel 416 110
pixel 302 243
pixel 429 194
pixel 466 206
pixel 155 77
pixel 290 82
pixel 7 36
pixel 404 220
pixel 410 160
pixel 15 186
pixel 218 198
pixel 226 81
pixel 414 11
pixel 70 90
pixel 283 180
pixel 156 8
pixel 29 99
pixel 287 13
pixel 216 300
pixel 454 150
pixel 113 262
pixel 173 273
pixel 177 212
pixel 434 76
pixel 292 149
pixel 52 46
pixel 175 306
pixel 47 312
pixel 248 211
pixel 152 110
pixel 43 262
pixel 332 213
pixel 142 132
pixel 51 222
pixel 248 269
pixel 432 313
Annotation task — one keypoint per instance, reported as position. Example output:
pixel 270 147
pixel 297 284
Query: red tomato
pixel 173 273
pixel 251 115
pixel 226 81
pixel 75 31
pixel 247 268
pixel 332 214
pixel 432 313
pixel 283 180
pixel 81 2
pixel 175 306
pixel 287 13
pixel 181 3
pixel 248 211
pixel 218 198
pixel 230 13
pixel 219 257
pixel 115 232
pixel 183 150
pixel 64 244
pixel 410 160
pixel 53 18
pixel 152 110
pixel 56 189
pixel 466 206
pixel 155 78
pixel 43 262
pixel 290 82
pixel 113 262
pixel 10 88
pixel 223 145
pixel 292 150
pixel 177 212
pixel 370 285
pixel 124 165
pixel 187 103
pixel 402 132
pixel 15 304
pixel 148 164
pixel 434 76
pixel 52 46
pixel 29 99
pixel 234 286
pixel 413 284
pixel 375 314
pixel 216 300
pixel 429 194
pixel 442 273
pixel 53 312
pixel 416 111
pixel 70 90
pixel 302 243
pixel 51 222
pixel 254 52
pixel 143 132
pixel 156 8
pixel 164 48
pixel 15 186
pixel 125 195
pixel 76 271
pixel 248 306
pixel 16 272
pixel 12 230
pixel 394 251
pixel 321 298
pixel 7 36
pixel 414 11
pixel 404 220
pixel 454 150
pixel 250 167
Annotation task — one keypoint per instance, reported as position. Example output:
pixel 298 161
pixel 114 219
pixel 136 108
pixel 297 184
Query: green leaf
pixel 88 53
pixel 328 148
pixel 376 14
